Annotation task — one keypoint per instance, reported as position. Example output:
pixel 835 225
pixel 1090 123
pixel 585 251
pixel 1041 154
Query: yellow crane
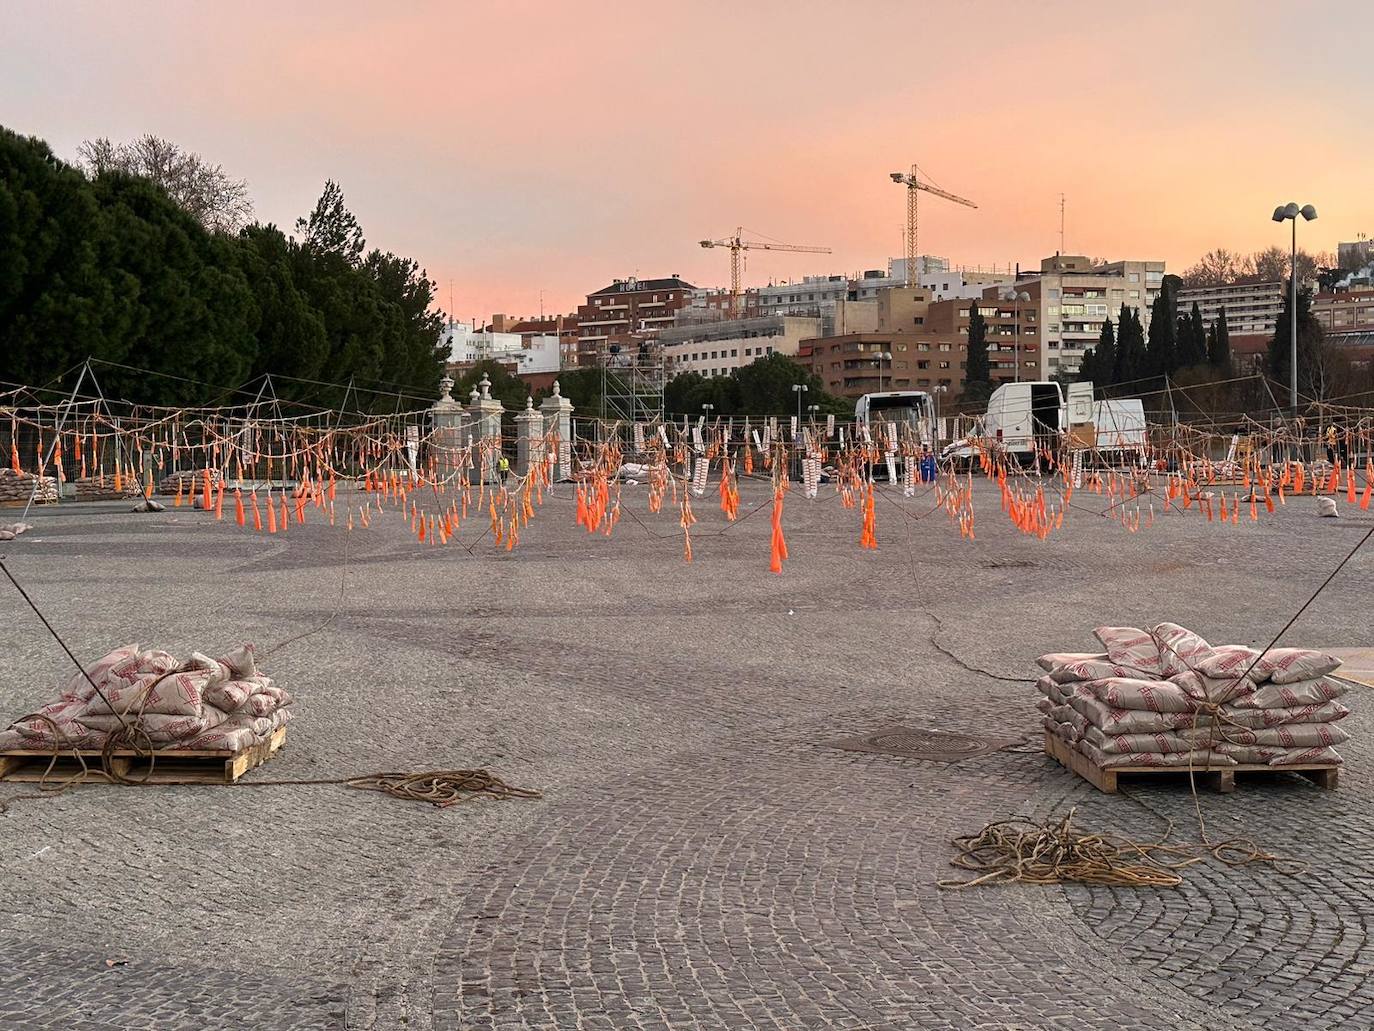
pixel 913 189
pixel 737 243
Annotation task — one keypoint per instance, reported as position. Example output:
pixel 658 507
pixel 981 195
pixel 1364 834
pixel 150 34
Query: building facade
pixel 1250 307
pixel 521 355
pixel 719 348
pixel 627 311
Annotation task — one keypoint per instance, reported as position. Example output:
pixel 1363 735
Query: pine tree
pixel 1219 343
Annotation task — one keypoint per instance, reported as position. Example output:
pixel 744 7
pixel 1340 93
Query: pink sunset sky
pixel 520 147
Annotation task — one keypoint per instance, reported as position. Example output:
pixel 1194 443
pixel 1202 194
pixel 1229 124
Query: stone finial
pixel 446 388
pixel 474 395
pixel 529 403
pixel 557 390
pixel 485 384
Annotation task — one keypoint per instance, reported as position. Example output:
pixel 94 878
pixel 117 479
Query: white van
pixel 1022 415
pixel 913 408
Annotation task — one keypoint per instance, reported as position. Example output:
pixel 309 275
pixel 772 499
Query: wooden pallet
pixel 1224 780
pixel 173 766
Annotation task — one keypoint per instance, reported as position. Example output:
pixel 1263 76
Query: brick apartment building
pixel 627 310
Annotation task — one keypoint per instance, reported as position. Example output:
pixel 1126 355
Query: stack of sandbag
pixel 18 486
pixel 1165 697
pixel 187 481
pixel 102 488
pixel 201 703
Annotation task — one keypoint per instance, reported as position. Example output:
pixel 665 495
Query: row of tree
pixel 103 262
pixel 1220 266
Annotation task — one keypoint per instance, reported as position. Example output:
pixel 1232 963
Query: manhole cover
pixel 915 743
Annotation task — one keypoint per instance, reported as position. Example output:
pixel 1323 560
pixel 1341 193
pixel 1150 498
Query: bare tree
pixel 1214 268
pixel 204 191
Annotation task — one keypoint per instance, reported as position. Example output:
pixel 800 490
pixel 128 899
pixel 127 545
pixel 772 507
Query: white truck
pixel 1021 416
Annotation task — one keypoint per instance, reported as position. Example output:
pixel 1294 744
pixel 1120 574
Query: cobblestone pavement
pixel 701 858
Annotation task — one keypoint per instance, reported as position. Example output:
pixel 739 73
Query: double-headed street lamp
pixel 885 356
pixel 1289 213
pixel 1016 297
pixel 799 389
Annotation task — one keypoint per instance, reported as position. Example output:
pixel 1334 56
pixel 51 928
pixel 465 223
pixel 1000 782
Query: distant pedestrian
pixel 1331 437
pixel 503 467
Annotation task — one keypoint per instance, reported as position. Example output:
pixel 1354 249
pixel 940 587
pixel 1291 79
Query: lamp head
pixel 1279 215
pixel 1309 212
pixel 1290 210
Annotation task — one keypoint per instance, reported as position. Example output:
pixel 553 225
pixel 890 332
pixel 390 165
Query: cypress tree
pixel 1130 348
pixel 1219 343
pixel 1104 357
pixel 1161 352
pixel 977 369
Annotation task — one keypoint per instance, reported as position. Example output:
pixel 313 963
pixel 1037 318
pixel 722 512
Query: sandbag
pixel 1198 759
pixel 1289 696
pixel 1228 660
pixel 1256 719
pixel 1154 695
pixel 1291 665
pixel 1131 646
pixel 1129 721
pixel 1091 669
pixel 1290 735
pixel 1135 743
pixel 1212 689
pixel 1179 648
pixel 1054 660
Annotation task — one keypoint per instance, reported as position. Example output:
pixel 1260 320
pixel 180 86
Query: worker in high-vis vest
pixel 503 467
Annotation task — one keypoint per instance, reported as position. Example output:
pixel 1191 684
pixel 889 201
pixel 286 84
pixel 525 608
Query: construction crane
pixel 737 243
pixel 913 188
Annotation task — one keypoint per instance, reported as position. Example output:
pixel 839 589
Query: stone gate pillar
pixel 484 413
pixel 557 411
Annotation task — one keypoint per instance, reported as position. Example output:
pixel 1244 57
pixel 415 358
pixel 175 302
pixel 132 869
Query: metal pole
pixel 1016 321
pixel 38 476
pixel 1293 322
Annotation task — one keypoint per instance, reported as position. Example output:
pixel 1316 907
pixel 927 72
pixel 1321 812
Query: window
pixel 944 347
pixel 919 320
pixel 1135 277
pixel 1054 362
pixel 734 352
pixel 923 365
pixel 1053 293
pixel 1135 295
pixel 713 354
pixel 770 350
pixel 944 365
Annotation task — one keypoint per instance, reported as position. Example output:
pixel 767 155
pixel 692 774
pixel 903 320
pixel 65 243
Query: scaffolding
pixel 632 379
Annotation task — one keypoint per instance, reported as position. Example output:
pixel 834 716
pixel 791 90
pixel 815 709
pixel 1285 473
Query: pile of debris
pixel 1165 697
pixel 153 698
pixel 18 486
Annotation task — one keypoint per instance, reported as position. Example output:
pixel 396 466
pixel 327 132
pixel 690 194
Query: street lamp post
pixel 799 389
pixel 884 356
pixel 1289 212
pixel 1016 297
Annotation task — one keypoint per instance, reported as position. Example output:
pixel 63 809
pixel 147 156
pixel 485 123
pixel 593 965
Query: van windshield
pixel 899 409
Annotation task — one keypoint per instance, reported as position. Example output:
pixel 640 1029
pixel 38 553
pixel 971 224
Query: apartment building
pixel 719 348
pixel 626 310
pixel 1250 307
pixel 1347 320
pixel 1071 298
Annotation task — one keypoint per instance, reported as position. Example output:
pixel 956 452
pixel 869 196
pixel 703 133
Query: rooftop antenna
pixel 1061 223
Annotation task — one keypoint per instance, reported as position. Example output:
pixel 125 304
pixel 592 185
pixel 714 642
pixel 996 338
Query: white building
pixel 719 348
pixel 528 354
